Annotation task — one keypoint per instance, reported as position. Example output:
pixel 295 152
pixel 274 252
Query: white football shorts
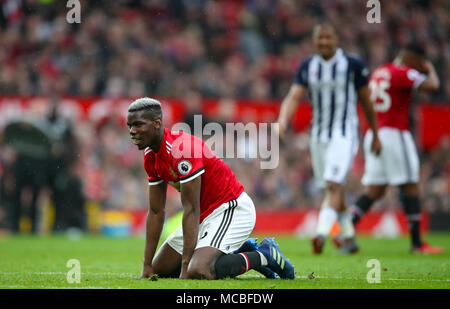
pixel 398 162
pixel 226 228
pixel 333 160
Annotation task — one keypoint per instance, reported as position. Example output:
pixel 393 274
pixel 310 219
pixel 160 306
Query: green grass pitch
pixel 41 262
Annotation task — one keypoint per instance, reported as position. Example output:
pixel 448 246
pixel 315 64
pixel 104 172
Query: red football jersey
pixel 183 157
pixel 391 87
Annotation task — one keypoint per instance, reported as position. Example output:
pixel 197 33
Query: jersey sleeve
pixel 152 175
pixel 301 76
pixel 188 162
pixel 411 78
pixel 361 73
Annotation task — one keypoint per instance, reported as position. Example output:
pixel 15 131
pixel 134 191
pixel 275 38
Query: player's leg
pixel 409 195
pixel 211 263
pixel 330 207
pixel 330 212
pixel 221 234
pixel 338 159
pixel 376 171
pixel 326 214
pixel 167 261
pixel 407 177
pixel 251 245
pixel 409 185
pixel 411 205
pixel 366 200
pixel 345 241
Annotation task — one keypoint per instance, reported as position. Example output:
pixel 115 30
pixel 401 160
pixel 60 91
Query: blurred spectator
pixel 194 117
pixel 27 171
pixel 38 152
pixel 65 185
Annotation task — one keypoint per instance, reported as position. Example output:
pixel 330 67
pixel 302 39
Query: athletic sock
pixel 235 264
pixel 327 217
pixel 362 205
pixel 411 205
pixel 414 230
pixel 346 224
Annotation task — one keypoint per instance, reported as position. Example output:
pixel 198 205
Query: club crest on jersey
pixel 184 167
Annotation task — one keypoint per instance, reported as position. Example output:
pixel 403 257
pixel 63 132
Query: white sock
pixel 346 224
pixel 327 217
pixel 263 259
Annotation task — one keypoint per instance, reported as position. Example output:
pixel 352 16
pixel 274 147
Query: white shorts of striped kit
pixel 332 160
pixel 226 228
pixel 398 162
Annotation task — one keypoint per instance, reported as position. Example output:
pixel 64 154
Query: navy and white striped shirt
pixel 333 90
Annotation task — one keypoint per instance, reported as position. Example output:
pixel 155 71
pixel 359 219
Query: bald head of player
pixel 144 122
pixel 325 39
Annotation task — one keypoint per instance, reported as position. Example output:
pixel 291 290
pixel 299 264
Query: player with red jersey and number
pixel 392 86
pixel 218 215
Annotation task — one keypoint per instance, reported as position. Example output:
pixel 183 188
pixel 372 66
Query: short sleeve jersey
pixel 333 87
pixel 391 87
pixel 181 158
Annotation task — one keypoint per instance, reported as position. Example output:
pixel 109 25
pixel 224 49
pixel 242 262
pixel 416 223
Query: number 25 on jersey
pixel 379 95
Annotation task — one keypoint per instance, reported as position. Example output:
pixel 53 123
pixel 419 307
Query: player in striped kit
pixel 335 81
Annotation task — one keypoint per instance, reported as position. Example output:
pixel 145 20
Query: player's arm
pixel 431 83
pixel 289 106
pixel 154 224
pixel 369 113
pixel 190 198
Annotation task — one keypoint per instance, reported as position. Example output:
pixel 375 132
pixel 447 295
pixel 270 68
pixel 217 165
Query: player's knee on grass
pixel 202 263
pixel 174 274
pixel 198 270
pixel 163 271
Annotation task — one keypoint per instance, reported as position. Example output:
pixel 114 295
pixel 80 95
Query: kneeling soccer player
pixel 218 215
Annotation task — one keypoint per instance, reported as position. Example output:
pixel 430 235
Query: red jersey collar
pixel 163 141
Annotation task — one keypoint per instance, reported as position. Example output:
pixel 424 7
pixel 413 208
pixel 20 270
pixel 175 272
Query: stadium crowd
pixel 166 48
pixel 222 49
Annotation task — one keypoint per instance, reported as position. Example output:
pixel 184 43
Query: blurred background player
pixel 391 86
pixel 335 81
